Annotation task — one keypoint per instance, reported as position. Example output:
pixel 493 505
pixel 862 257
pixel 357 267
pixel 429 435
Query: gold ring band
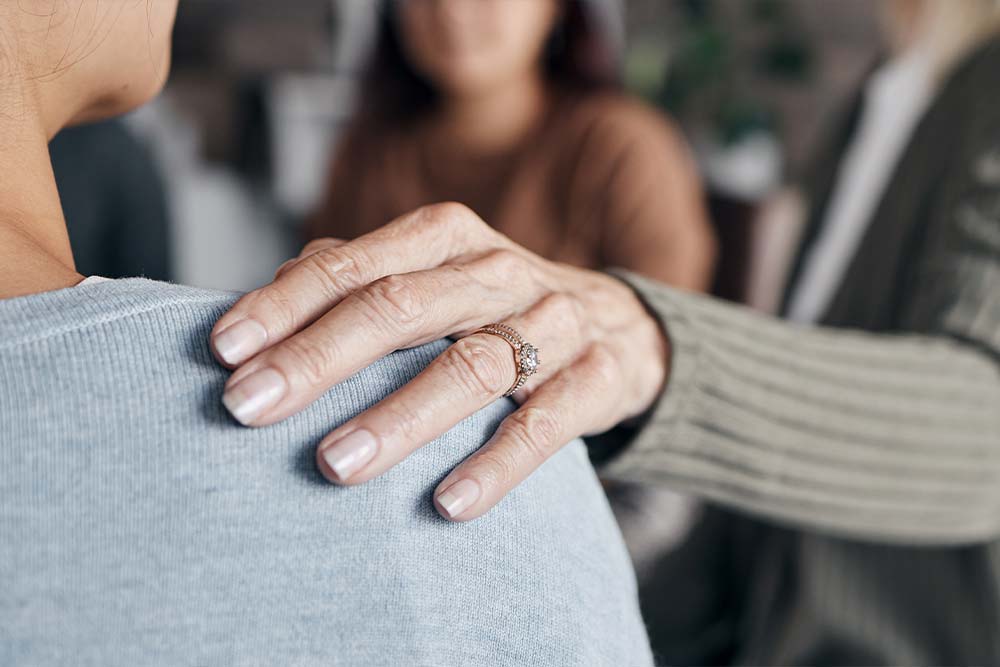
pixel 525 354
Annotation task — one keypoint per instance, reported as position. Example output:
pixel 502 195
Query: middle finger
pixel 392 313
pixel 466 377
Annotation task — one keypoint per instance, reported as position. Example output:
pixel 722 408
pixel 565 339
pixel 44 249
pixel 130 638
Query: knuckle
pixel 406 422
pixel 277 308
pixel 435 218
pixel 338 271
pixel 307 360
pixel 455 219
pixel 287 264
pixel 602 364
pixel 450 213
pixel 314 246
pixel 503 263
pixel 535 430
pixel 497 467
pixel 560 309
pixel 393 302
pixel 480 367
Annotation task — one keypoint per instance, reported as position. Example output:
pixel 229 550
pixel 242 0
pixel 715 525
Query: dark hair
pixel 578 56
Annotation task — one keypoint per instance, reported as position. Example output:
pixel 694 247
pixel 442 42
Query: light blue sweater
pixel 140 525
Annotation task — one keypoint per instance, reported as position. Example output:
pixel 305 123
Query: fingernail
pixel 238 342
pixel 458 497
pixel 253 395
pixel 351 453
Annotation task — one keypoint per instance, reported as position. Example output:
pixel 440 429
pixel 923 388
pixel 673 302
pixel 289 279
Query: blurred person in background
pixel 851 458
pixel 128 535
pixel 513 108
pixel 889 180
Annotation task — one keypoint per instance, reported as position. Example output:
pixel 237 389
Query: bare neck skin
pixel 901 19
pixel 493 121
pixel 35 254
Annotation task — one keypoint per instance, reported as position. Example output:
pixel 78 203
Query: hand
pixel 441 271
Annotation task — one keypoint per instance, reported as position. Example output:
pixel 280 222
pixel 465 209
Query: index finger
pixel 420 240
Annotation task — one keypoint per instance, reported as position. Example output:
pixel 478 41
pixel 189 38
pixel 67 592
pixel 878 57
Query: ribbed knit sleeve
pixel 894 438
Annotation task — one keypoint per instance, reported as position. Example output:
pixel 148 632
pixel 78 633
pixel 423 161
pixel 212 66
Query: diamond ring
pixel 525 354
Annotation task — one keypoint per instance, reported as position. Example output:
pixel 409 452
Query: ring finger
pixel 469 375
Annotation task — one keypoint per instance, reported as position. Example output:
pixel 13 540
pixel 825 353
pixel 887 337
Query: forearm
pixel 895 438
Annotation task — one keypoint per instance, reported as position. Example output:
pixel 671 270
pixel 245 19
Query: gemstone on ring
pixel 529 358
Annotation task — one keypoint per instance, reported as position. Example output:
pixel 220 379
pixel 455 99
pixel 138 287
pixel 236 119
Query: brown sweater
pixel 601 181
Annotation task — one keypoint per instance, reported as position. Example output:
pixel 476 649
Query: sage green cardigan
pixel 855 466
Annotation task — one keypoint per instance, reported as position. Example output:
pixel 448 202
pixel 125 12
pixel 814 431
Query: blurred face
pixel 467 47
pixel 91 58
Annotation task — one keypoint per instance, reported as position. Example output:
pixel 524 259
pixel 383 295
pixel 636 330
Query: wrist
pixel 648 347
pixel 658 353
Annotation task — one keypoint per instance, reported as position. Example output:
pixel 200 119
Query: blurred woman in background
pixel 512 108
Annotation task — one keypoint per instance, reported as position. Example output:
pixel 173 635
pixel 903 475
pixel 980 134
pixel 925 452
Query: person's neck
pixel 494 121
pixel 902 24
pixel 35 254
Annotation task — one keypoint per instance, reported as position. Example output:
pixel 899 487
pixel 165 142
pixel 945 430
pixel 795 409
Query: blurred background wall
pixel 241 137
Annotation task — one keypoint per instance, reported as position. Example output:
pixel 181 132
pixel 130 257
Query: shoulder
pixel 969 104
pixel 612 145
pixel 618 121
pixel 78 311
pixel 959 261
pixel 967 117
pixel 116 379
pixel 976 72
pixel 612 138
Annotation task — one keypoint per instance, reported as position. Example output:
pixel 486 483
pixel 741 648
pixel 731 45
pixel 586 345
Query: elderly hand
pixel 441 271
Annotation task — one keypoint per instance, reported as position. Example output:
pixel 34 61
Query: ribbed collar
pixel 38 316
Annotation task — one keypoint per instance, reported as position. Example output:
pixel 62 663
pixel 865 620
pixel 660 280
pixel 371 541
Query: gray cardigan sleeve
pixel 894 438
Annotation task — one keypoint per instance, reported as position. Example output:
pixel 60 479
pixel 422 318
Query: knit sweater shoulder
pixel 139 524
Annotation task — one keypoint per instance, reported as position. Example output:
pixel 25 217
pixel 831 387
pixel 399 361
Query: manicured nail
pixel 238 342
pixel 458 497
pixel 255 394
pixel 350 454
